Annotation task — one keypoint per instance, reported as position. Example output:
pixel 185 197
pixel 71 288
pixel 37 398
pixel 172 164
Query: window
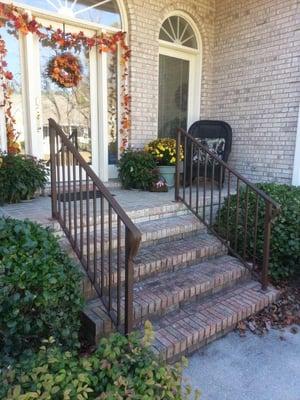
pixel 105 12
pixel 176 29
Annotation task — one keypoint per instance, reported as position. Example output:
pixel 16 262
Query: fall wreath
pixel 65 70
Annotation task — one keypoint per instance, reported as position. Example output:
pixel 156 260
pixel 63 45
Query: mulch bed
pixel 282 314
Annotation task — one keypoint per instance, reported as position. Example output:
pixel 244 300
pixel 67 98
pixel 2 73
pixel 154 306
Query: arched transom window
pixel 104 12
pixel 177 30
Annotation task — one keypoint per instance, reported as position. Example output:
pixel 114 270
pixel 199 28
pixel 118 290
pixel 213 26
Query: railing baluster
pixel 267 240
pixel 109 257
pixel 75 201
pixel 255 231
pixel 212 187
pixel 81 212
pixel 95 231
pixel 64 180
pixel 69 192
pixel 88 234
pixel 184 166
pixel 128 281
pixel 246 222
pixel 220 195
pixel 119 281
pixel 191 175
pixel 204 186
pixel 197 183
pixel 53 174
pixel 237 212
pixel 58 174
pixel 228 205
pixel 103 283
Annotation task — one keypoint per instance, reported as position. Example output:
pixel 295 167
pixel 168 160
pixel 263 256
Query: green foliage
pixel 40 291
pixel 121 368
pixel 137 169
pixel 20 177
pixel 285 240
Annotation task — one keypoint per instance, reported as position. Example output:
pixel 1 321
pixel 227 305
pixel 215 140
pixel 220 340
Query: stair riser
pixel 154 307
pixel 168 264
pixel 138 216
pixel 153 238
pixel 200 293
pixel 193 337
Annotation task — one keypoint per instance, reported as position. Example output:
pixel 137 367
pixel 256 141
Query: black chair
pixel 217 136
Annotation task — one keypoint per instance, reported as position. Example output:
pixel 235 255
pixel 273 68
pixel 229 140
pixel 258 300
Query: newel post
pixel 177 171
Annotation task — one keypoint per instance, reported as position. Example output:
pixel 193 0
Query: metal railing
pixel 238 212
pixel 101 233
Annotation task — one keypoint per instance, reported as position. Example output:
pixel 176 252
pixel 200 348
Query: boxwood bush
pixel 20 177
pixel 40 292
pixel 121 368
pixel 137 169
pixel 285 241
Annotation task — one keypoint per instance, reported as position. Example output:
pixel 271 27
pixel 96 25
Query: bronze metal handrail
pixel 102 235
pixel 200 162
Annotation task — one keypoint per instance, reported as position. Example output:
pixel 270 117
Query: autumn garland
pixel 19 21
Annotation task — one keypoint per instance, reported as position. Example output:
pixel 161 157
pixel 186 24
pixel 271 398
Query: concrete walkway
pixel 249 368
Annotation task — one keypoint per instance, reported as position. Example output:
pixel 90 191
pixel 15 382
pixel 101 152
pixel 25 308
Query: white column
pixel 296 173
pixel 103 122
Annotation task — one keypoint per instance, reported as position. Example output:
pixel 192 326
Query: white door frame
pixel 296 171
pixel 194 90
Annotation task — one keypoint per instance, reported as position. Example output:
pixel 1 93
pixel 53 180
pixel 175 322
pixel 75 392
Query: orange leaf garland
pixel 20 21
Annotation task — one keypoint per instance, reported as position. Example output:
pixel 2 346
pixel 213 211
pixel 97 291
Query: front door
pixel 74 109
pixel 176 91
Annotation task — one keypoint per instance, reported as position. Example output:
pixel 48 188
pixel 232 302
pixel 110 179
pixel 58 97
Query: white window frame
pixel 194 56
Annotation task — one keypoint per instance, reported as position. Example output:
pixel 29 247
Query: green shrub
pixel 40 291
pixel 137 169
pixel 122 368
pixel 285 240
pixel 20 177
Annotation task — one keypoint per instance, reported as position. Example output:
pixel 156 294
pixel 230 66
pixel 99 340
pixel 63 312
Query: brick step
pixel 154 232
pixel 137 215
pixel 183 331
pixel 156 259
pixel 159 295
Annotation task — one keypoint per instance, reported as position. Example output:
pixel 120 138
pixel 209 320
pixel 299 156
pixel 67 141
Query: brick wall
pixel 250 76
pixel 145 19
pixel 256 83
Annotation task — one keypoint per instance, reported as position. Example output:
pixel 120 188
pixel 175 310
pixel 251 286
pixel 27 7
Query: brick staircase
pixel 185 283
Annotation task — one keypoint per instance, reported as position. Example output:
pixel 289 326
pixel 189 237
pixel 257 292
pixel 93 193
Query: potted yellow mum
pixel 164 153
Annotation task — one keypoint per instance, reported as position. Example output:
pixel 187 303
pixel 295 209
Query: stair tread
pixel 180 246
pixel 158 228
pixel 158 294
pixel 183 331
pixel 174 287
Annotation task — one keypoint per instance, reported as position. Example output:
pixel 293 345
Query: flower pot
pixel 168 172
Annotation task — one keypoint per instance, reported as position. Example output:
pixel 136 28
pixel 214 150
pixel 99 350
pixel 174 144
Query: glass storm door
pixel 173 95
pixel 72 108
pixel 177 100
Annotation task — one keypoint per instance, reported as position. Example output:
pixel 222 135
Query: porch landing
pixel 184 280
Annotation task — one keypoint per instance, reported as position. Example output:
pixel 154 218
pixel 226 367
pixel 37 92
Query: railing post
pixel 129 252
pixel 53 171
pixel 177 176
pixel 267 239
